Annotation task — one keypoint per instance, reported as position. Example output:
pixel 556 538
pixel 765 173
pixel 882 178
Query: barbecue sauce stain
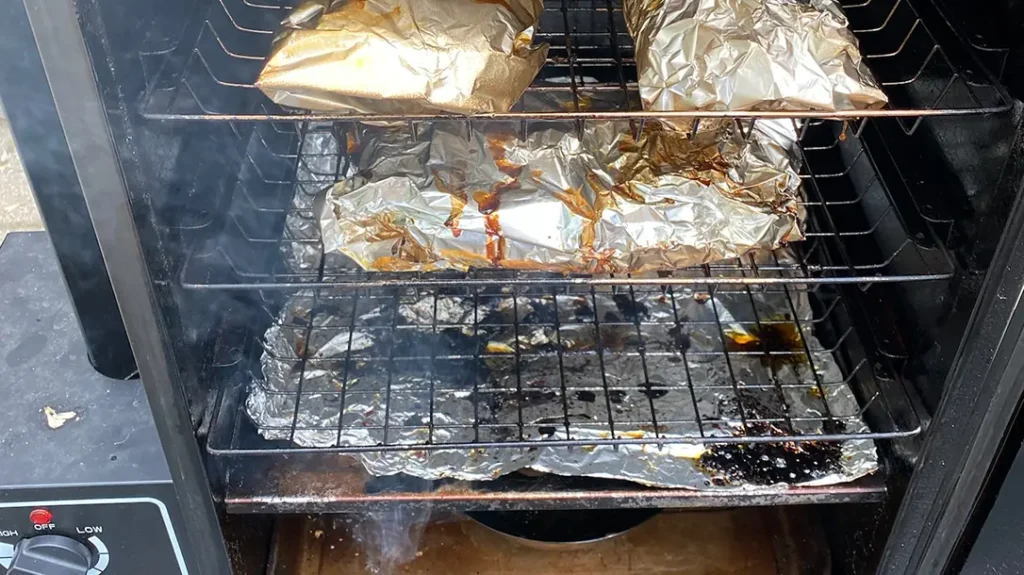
pixel 488 204
pixel 459 198
pixel 496 145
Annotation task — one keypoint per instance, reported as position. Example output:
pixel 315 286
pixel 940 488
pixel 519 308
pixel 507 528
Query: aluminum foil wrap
pixel 404 56
pixel 748 55
pixel 557 200
pixel 469 374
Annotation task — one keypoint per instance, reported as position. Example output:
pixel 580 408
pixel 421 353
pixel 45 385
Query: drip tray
pixel 748 541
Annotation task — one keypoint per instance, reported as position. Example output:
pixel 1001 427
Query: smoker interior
pixel 904 209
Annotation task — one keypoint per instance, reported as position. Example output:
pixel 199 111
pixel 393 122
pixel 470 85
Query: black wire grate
pixel 858 229
pixel 815 381
pixel 590 66
pixel 791 366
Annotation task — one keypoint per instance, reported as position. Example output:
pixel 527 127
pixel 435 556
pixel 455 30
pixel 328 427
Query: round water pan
pixel 562 529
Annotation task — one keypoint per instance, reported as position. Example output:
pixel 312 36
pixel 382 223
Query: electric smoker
pixel 170 187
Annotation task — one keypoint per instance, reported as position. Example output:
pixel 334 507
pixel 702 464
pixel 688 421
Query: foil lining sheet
pixel 748 55
pixel 561 200
pixel 404 56
pixel 474 379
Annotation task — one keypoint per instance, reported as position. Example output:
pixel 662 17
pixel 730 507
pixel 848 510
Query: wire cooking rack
pixel 434 380
pixel 590 69
pixel 800 373
pixel 858 229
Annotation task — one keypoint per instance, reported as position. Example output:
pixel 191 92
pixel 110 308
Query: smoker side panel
pixel 48 164
pixel 62 52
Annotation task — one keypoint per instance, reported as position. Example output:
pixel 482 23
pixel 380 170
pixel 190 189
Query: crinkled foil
pixel 599 202
pixel 748 55
pixel 474 379
pixel 405 56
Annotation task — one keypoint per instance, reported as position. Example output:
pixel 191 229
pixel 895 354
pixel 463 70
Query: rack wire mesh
pixel 637 355
pixel 268 244
pixel 211 75
pixel 858 229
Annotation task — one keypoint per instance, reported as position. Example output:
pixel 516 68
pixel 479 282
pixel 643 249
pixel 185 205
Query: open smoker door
pixel 966 451
pixel 951 477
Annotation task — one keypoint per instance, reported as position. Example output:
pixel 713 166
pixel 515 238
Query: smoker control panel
pixel 88 537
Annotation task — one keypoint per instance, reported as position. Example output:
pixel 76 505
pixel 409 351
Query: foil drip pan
pixel 713 377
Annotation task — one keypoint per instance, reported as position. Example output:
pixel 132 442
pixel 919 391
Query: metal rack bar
pixel 199 90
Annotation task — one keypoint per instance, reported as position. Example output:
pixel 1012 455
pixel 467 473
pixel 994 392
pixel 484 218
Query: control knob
pixel 50 555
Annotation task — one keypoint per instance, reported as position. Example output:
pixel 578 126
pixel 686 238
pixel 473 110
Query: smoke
pixel 390 538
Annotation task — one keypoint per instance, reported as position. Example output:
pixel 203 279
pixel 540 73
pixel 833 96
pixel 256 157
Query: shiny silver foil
pixel 404 56
pixel 748 55
pixel 593 201
pixel 351 346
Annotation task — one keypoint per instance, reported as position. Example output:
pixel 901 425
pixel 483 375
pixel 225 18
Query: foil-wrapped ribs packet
pixel 404 56
pixel 557 200
pixel 748 55
pixel 579 379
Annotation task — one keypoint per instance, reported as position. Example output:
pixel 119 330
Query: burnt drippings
pixel 772 463
pixel 542 311
pixel 782 338
pixel 631 309
pixel 653 392
pixel 587 396
pixel 522 398
pixel 680 339
pixel 446 341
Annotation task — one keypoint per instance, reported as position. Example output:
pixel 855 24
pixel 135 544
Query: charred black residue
pixel 522 398
pixel 544 311
pixel 680 339
pixel 421 343
pixel 582 309
pixel 771 463
pixel 653 392
pixel 775 462
pixel 587 396
pixel 630 308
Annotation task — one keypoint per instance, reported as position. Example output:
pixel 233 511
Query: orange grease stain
pixel 488 204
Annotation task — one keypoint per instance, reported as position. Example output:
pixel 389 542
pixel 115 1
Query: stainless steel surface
pixel 591 55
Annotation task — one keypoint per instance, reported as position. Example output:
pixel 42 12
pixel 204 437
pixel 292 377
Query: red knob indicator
pixel 40 516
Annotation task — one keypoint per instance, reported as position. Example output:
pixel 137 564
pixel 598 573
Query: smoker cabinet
pixel 175 192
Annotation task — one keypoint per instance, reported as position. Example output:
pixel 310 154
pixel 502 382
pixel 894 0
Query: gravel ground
pixel 17 208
